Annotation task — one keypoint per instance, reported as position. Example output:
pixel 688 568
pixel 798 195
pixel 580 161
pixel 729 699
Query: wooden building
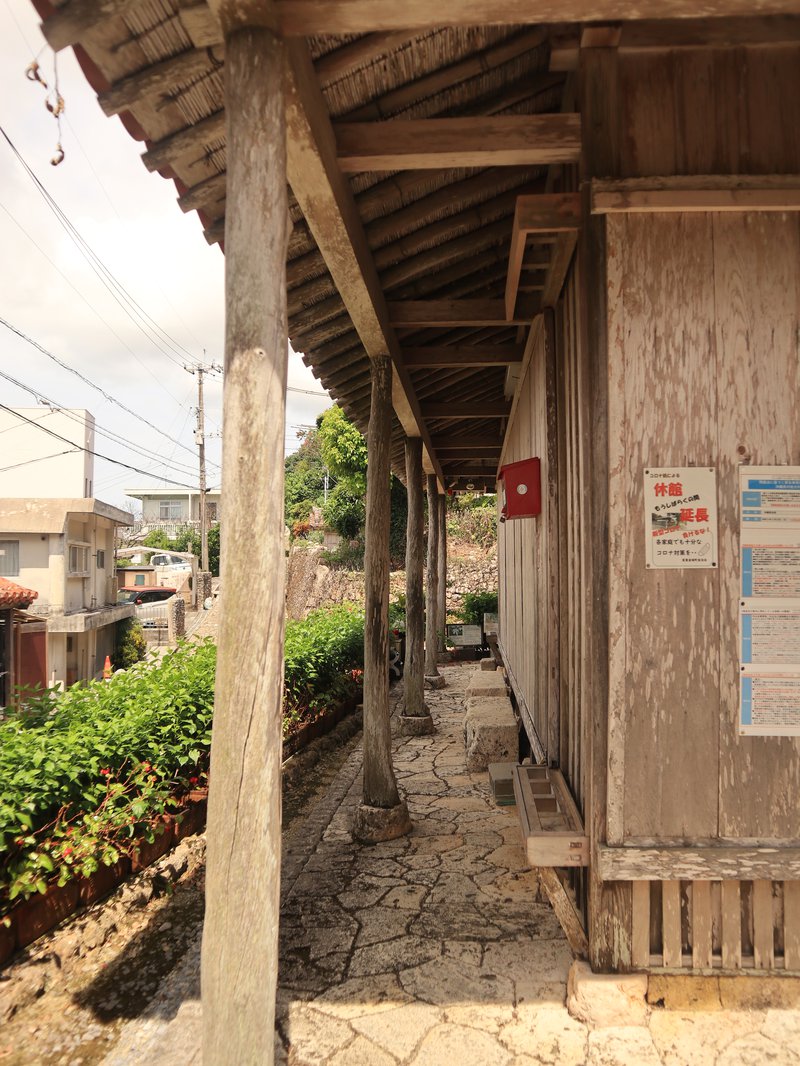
pixel 533 230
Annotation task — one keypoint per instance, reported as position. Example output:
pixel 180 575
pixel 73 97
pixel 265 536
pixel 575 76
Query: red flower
pixel 105 773
pixel 193 780
pixel 146 767
pixel 67 851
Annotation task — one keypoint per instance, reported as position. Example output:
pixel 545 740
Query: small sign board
pixel 462 636
pixel 680 521
pixel 769 603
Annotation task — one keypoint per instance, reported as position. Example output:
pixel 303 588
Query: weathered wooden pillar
pixel 240 935
pixel 382 815
pixel 432 675
pixel 441 622
pixel 610 915
pixel 416 717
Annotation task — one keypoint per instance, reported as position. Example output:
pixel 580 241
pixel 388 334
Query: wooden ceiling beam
pixel 466 443
pixel 191 139
pixel 473 409
pixel 335 65
pixel 504 140
pixel 476 65
pixel 463 356
pixel 327 203
pixel 546 213
pixel 445 313
pixel 159 79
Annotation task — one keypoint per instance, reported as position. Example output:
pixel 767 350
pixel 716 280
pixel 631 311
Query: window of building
pixel 101 559
pixel 139 579
pixel 9 558
pixel 170 510
pixel 78 559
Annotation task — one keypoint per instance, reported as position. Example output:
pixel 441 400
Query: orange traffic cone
pixel 107 668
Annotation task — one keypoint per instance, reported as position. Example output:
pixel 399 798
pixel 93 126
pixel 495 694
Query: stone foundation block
pixel 490 732
pixel 606 1000
pixel 435 681
pixel 372 825
pixel 484 683
pixel 415 725
pixel 488 664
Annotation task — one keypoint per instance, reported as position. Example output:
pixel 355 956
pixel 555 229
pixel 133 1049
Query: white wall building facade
pixel 50 453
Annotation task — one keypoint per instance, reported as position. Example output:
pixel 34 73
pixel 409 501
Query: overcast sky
pixel 48 291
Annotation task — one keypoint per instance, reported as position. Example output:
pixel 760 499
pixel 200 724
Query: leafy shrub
pixel 346 557
pixel 476 604
pixel 345 511
pixel 475 524
pixel 320 651
pixel 131 644
pixel 397 612
pixel 87 771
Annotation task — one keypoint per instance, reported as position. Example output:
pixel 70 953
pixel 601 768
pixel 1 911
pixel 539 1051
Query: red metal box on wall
pixel 521 488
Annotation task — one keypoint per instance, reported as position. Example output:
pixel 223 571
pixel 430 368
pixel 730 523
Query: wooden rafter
pixel 505 140
pixel 330 210
pixel 467 443
pixel 473 409
pixel 499 355
pixel 445 313
pixel 546 213
pixel 382 19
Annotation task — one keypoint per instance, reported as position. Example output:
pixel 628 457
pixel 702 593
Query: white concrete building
pixel 64 550
pixel 173 509
pixel 48 453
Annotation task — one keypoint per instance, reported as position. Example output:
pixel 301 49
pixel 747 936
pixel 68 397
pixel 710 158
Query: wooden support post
pixel 610 904
pixel 240 937
pixel 382 815
pixel 416 718
pixel 442 565
pixel 432 587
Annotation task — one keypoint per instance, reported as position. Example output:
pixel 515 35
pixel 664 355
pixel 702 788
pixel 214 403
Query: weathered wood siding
pixel 524 545
pixel 703 338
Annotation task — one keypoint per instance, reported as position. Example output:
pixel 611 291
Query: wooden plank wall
pixel 523 551
pixel 703 343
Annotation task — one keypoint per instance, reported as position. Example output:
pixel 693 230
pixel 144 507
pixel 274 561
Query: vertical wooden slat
pixel 640 936
pixel 763 935
pixel 701 925
pixel 791 924
pixel 731 925
pixel 671 896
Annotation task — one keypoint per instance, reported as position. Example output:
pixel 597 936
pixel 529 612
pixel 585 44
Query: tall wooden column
pixel 240 936
pixel 382 815
pixel 442 567
pixel 432 587
pixel 416 718
pixel 610 903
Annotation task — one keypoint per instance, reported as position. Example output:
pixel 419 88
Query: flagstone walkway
pixel 436 949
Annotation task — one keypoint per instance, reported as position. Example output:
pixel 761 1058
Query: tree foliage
pixel 343 449
pixel 305 479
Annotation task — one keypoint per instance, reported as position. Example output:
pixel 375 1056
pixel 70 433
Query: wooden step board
pixel 551 823
pixel 552 831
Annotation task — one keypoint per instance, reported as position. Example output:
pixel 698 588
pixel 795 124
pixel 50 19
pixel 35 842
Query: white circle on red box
pixel 522 489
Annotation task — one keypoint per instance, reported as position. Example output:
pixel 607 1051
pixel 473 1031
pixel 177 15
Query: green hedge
pixel 86 773
pixel 324 652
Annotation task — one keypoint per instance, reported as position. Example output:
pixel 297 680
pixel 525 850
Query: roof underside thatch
pixel 436 230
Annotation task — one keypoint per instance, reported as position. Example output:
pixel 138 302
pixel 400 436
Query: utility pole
pixel 200 441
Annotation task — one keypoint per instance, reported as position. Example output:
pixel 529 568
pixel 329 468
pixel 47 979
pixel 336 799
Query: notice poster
pixel 680 517
pixel 769 622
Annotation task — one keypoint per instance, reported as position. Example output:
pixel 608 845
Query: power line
pixel 91 306
pixel 88 451
pixel 101 431
pixel 40 459
pixel 87 381
pixel 126 301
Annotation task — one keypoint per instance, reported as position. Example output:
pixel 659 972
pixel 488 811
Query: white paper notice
pixel 769 627
pixel 680 519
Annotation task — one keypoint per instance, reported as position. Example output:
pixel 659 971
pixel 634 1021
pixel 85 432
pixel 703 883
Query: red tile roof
pixel 12 595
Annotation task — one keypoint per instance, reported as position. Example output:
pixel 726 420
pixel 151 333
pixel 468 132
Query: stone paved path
pixel 436 950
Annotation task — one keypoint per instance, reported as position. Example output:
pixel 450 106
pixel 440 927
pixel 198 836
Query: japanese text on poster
pixel 769 622
pixel 680 517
